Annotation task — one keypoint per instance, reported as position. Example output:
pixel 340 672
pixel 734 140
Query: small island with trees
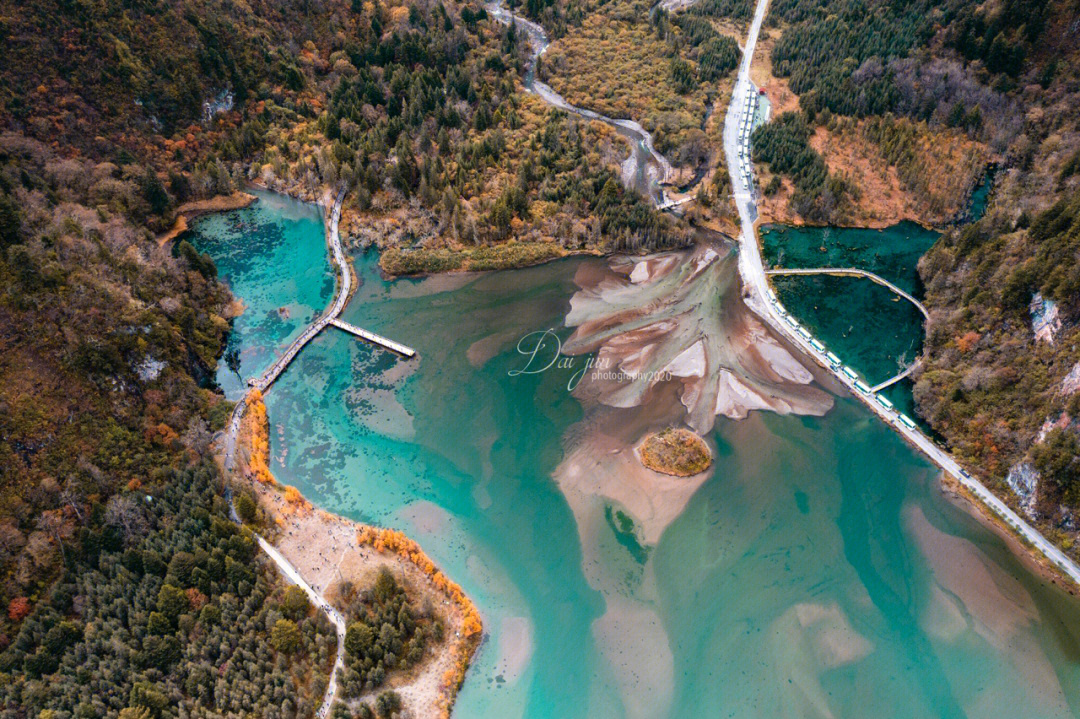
pixel 678 452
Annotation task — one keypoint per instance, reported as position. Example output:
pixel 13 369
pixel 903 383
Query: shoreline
pixel 1026 553
pixel 188 211
pixel 248 437
pixel 326 548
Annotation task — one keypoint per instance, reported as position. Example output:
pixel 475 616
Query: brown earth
pixel 190 210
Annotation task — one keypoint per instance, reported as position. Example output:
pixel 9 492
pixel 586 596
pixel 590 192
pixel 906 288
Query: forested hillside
pixel 916 104
pixel 1001 380
pixel 671 72
pixel 125 586
pixel 413 104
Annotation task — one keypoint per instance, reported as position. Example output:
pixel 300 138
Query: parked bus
pixel 834 361
pixel 849 373
pixel 884 402
pixel 862 386
pixel 906 421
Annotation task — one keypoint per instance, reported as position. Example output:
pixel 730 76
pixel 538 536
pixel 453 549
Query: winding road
pixel 755 294
pixel 645 170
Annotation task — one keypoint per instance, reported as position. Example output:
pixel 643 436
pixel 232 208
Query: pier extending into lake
pixel 330 316
pixel 374 338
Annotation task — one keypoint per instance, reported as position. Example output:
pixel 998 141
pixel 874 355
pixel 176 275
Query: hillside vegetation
pixel 884 89
pixel 112 116
pixel 125 586
pixel 671 72
pixel 999 392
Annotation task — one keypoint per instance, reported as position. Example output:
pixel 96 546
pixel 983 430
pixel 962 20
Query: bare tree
pixel 127 514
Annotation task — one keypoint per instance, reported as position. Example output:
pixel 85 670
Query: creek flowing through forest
pixel 644 170
pixel 816 570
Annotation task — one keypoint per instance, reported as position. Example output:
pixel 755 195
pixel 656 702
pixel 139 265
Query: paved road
pixel 755 291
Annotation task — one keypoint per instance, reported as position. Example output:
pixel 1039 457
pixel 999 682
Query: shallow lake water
pixel 817 571
pixel 872 329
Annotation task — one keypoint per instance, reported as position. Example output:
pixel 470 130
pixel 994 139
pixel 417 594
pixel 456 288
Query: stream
pixel 645 170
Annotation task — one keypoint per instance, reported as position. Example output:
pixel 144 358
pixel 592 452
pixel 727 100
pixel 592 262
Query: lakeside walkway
pixel 755 294
pixel 262 383
pixel 896 378
pixel 854 272
pixel 330 316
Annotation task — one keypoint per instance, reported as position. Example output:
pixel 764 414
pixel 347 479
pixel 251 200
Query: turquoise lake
pixel 872 329
pixel 818 571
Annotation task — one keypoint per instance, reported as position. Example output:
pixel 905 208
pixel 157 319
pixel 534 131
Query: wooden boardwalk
pixel 374 338
pixel 330 316
pixel 853 272
pixel 262 383
pixel 893 380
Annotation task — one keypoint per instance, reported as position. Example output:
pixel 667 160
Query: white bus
pixel 849 373
pixel 834 361
pixel 884 402
pixel 906 421
pixel 817 345
pixel 862 386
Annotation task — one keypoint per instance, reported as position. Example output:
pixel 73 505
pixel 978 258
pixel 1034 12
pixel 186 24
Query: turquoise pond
pixel 872 329
pixel 818 571
pixel 272 256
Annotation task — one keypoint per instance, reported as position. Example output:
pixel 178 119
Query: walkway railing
pixel 854 272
